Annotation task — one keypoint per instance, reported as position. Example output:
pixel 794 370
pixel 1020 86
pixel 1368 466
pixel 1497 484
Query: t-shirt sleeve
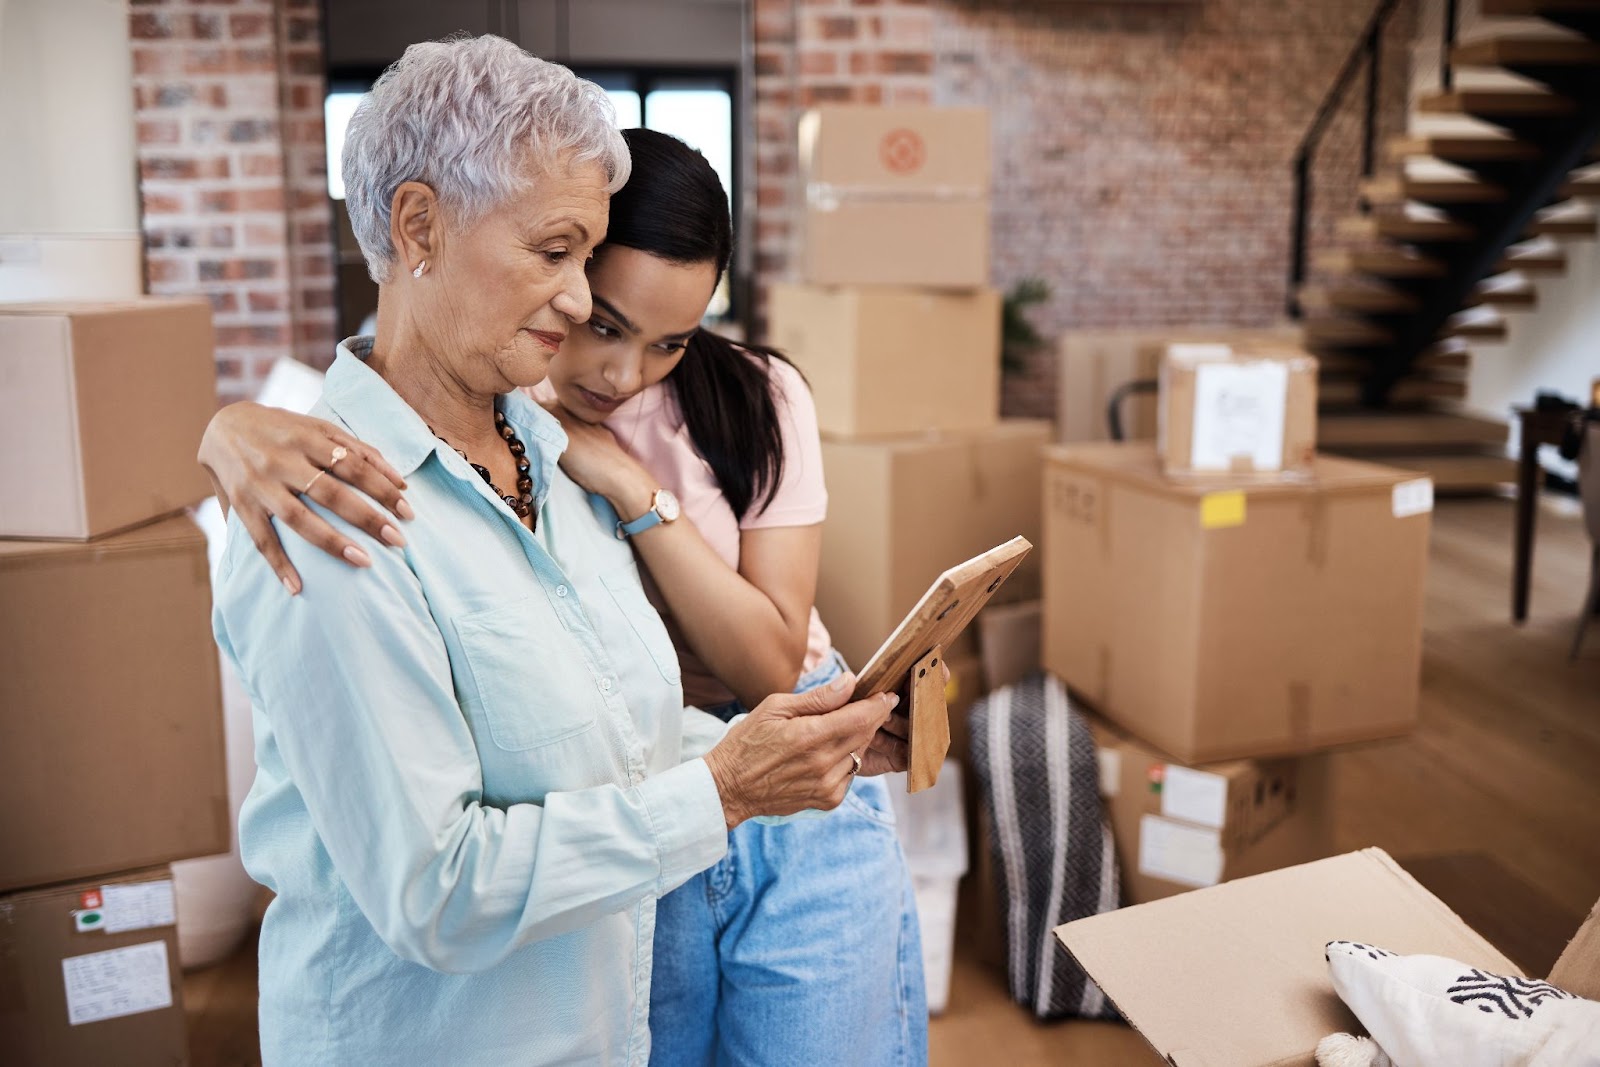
pixel 802 495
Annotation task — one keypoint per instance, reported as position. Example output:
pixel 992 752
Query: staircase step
pixel 1424 431
pixel 1468 472
pixel 1336 393
pixel 1337 331
pixel 1476 329
pixel 1462 148
pixel 1540 261
pixel 1535 8
pixel 1504 296
pixel 1436 359
pixel 1519 52
pixel 1394 189
pixel 1565 227
pixel 1496 103
pixel 1368 299
pixel 1380 262
pixel 1398 227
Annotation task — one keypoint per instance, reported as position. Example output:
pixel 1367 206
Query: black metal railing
pixel 1367 55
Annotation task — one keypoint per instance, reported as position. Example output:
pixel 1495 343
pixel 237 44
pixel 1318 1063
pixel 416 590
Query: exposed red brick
pixel 149 25
pixel 250 27
pixel 823 63
pixel 156 203
pixel 837 28
pixel 812 95
pixel 167 269
pixel 261 165
pixel 266 301
pixel 157 132
pixel 261 199
pixel 905 63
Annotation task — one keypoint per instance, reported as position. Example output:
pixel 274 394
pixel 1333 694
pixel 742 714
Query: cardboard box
pixel 1235 974
pixel 964 689
pixel 89 975
pixel 895 196
pixel 1228 622
pixel 884 360
pixel 1009 637
pixel 1179 828
pixel 1236 411
pixel 902 512
pixel 1092 364
pixel 111 745
pixel 102 407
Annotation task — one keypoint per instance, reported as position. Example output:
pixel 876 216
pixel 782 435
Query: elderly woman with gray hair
pixel 475 772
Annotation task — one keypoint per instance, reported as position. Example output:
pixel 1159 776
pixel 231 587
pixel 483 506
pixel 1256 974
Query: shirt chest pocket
pixel 534 685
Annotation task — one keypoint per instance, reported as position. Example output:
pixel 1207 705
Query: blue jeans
pixel 800 947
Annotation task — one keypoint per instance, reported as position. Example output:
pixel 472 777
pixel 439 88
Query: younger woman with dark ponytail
pixel 800 946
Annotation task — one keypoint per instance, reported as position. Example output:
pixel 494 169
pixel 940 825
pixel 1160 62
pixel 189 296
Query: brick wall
pixel 1141 153
pixel 810 52
pixel 228 106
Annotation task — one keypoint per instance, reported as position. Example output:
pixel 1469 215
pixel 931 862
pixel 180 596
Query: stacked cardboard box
pixel 899 337
pixel 111 746
pixel 1228 603
pixel 1230 621
pixel 894 325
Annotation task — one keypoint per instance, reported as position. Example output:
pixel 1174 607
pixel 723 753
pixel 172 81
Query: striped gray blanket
pixel 1038 777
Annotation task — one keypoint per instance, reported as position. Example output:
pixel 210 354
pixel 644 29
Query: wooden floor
pixel 1494 803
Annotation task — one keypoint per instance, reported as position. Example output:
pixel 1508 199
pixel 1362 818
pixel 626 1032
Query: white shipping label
pixel 141 906
pixel 1413 498
pixel 1239 414
pixel 1194 796
pixel 1110 772
pixel 117 982
pixel 1176 852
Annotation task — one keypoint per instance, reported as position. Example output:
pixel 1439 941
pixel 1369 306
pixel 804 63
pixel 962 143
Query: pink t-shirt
pixel 651 429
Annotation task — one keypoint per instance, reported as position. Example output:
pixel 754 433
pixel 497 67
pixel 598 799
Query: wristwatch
pixel 663 508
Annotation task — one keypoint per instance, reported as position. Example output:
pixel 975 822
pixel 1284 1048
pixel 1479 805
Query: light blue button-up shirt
pixel 475 773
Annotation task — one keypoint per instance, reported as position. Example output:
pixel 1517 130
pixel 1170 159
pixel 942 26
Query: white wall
pixel 69 206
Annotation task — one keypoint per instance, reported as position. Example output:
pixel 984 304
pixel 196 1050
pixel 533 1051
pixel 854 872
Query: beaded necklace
pixel 522 502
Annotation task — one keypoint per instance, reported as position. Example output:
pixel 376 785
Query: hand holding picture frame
pixel 910 661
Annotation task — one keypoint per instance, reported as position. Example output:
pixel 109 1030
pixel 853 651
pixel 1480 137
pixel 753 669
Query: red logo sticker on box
pixel 902 151
pixel 90 899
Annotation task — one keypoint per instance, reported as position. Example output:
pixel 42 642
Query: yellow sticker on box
pixel 1218 511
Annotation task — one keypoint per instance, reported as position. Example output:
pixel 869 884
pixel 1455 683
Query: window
pixel 336 112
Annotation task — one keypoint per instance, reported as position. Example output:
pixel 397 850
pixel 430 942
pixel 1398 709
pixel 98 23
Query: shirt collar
pixel 375 413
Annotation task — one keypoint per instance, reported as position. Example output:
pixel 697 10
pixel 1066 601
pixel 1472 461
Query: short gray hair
pixel 463 116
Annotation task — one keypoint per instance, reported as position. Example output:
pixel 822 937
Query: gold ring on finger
pixel 307 490
pixel 855 759
pixel 339 452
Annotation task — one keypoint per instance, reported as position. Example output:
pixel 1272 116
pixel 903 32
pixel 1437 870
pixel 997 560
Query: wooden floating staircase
pixel 1440 255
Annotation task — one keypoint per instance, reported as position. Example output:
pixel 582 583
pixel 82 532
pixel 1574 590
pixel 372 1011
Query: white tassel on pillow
pixel 1348 1050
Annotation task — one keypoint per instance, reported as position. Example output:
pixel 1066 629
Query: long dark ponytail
pixel 673 207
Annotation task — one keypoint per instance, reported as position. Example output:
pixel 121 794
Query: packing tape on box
pixel 826 196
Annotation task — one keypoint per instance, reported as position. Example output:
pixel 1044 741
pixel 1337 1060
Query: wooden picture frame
pixel 910 658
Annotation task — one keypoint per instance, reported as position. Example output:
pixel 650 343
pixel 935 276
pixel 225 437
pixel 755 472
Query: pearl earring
pixel 421 267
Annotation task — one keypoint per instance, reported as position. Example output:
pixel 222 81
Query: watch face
pixel 666 505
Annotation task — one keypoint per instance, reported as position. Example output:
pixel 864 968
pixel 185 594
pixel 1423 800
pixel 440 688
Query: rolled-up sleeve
pixel 353 679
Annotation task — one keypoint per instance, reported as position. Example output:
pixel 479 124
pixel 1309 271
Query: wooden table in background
pixel 1534 428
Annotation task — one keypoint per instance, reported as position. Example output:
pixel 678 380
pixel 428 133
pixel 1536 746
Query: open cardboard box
pixel 1234 975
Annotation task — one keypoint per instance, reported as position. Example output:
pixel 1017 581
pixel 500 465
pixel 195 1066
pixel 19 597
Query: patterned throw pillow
pixel 1428 1011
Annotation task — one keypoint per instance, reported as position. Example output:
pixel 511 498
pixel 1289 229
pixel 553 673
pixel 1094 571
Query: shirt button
pixel 605 685
pixel 561 590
